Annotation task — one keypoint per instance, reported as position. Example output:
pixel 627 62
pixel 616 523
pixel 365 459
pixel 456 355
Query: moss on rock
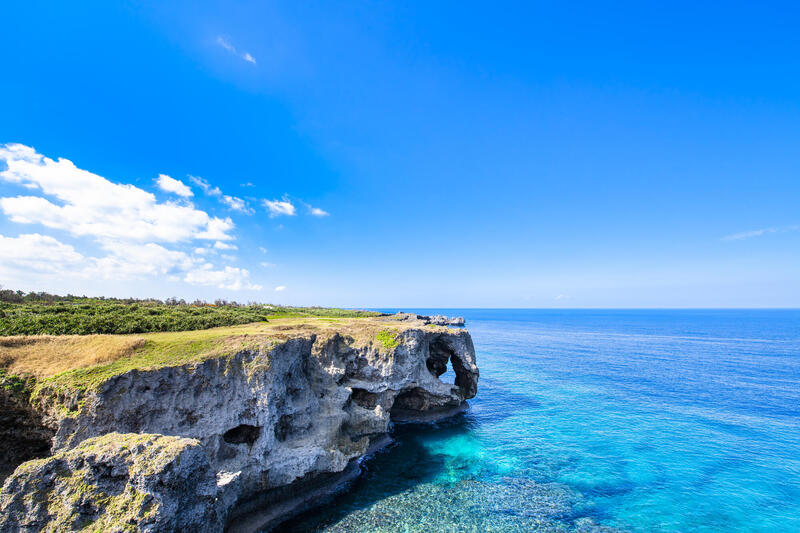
pixel 116 482
pixel 389 339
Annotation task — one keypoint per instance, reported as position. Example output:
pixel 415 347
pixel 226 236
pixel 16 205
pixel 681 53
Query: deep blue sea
pixel 646 420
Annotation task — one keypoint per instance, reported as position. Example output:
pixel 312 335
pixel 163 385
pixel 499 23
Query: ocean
pixel 600 420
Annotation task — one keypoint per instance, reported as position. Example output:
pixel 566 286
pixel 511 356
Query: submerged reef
pixel 231 428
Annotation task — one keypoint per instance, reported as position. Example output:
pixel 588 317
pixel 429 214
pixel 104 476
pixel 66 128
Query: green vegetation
pixel 19 386
pixel 388 339
pixel 103 317
pixel 47 314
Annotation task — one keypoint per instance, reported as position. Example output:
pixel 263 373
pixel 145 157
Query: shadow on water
pixel 436 477
pixel 401 466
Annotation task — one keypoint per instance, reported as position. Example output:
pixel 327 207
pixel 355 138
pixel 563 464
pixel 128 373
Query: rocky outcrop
pixel 442 320
pixel 436 320
pixel 274 425
pixel 118 482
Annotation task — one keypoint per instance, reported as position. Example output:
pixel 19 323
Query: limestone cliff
pixel 281 414
pixel 134 482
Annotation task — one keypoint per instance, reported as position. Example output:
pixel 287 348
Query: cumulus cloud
pixel 135 236
pixel 228 278
pixel 280 207
pixel 129 261
pixel 267 264
pixel 91 205
pixel 226 44
pixel 280 288
pixel 167 184
pixel 31 254
pixel 36 253
pixel 317 212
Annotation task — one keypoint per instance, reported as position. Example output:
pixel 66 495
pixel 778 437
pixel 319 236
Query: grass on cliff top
pixel 88 316
pixel 86 361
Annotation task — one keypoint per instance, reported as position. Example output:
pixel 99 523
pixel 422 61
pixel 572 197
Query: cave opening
pixel 364 398
pixel 23 433
pixel 441 361
pixel 450 375
pixel 242 434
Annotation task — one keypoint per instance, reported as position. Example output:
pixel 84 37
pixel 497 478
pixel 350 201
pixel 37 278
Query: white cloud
pixel 228 278
pixel 280 207
pixel 226 44
pixel 167 184
pixel 563 297
pixel 217 229
pixel 317 212
pixel 219 245
pixel 91 205
pixel 128 261
pixel 748 234
pixel 759 233
pixel 280 288
pixel 265 264
pixel 35 253
pixel 236 204
pixel 32 254
pixel 232 202
pixel 263 250
pixel 130 229
pixel 206 186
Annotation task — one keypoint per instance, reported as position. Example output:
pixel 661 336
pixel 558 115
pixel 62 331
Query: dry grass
pixel 46 355
pixel 90 359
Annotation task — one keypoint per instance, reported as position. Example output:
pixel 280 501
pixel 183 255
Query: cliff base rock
pixel 117 482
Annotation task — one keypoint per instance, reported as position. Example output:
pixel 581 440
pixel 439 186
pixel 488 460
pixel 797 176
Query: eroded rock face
pixel 305 410
pixel 117 482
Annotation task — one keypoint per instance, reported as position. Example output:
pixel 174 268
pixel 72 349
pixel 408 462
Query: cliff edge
pixel 275 414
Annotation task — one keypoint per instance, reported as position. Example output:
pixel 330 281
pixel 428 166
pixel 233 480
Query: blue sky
pixel 424 154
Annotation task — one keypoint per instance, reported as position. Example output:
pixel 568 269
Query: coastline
pixel 285 414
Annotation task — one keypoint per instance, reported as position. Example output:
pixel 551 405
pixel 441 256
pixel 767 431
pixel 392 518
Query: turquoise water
pixel 601 421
